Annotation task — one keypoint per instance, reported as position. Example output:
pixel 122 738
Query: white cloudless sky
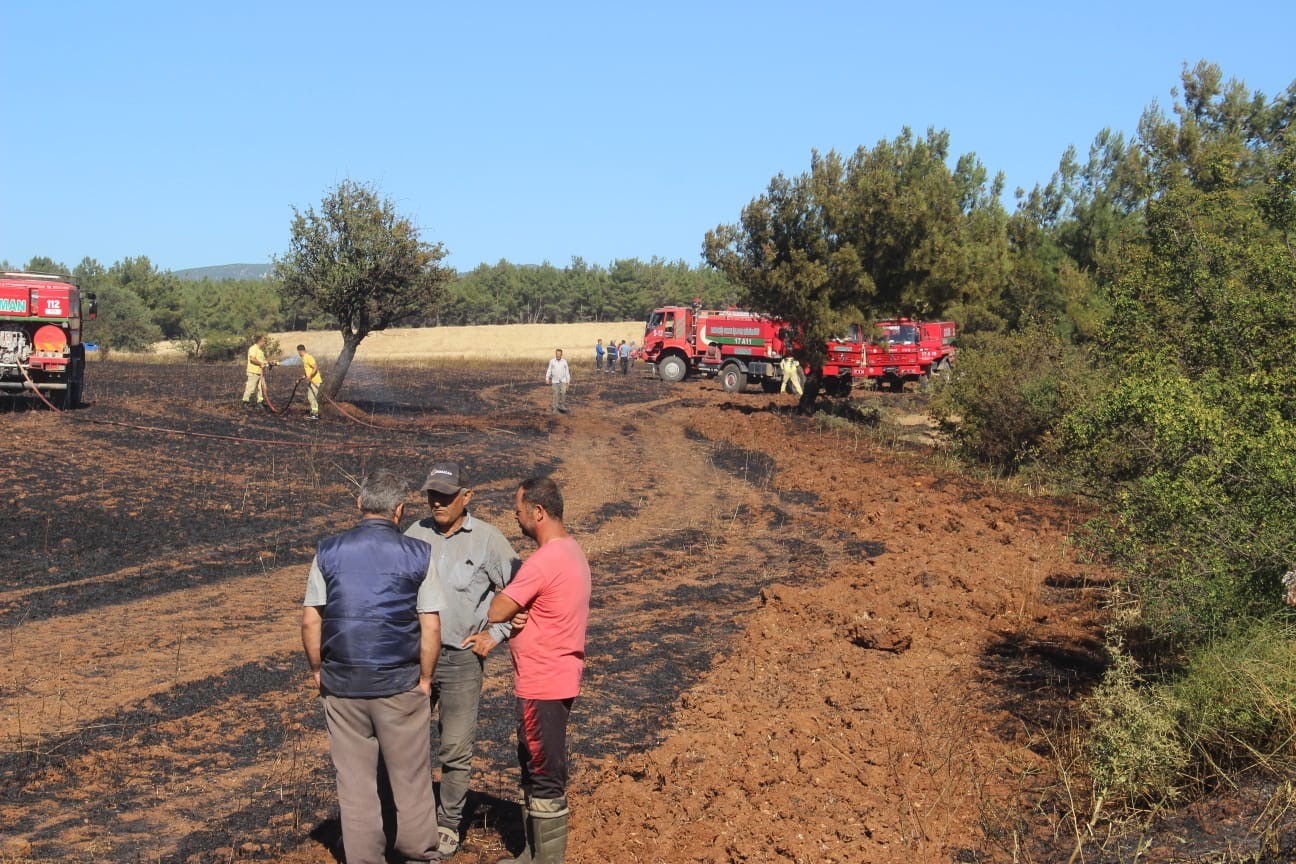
pixel 544 131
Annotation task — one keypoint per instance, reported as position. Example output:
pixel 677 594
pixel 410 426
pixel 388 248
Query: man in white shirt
pixel 558 376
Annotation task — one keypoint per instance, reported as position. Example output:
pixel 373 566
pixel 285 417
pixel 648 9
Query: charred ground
pixel 802 647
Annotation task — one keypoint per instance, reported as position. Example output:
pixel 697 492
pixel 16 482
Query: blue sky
pixel 542 131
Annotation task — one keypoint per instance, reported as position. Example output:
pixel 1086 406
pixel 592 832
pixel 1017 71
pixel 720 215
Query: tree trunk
pixel 337 374
pixel 810 392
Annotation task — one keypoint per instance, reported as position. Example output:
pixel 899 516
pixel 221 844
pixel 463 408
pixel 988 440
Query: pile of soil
pixel 803 646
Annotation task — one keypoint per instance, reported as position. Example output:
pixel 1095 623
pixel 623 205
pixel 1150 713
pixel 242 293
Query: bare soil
pixel 804 646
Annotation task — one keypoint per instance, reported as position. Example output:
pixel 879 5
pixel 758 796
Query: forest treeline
pixel 1127 333
pixel 140 304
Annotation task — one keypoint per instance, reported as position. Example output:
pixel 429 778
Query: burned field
pixel 801 648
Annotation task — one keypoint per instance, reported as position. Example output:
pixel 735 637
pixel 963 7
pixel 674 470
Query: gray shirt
pixel 474 563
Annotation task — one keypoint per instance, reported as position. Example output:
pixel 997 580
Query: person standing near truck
pixel 256 366
pixel 311 375
pixel 548 650
pixel 475 562
pixel 598 356
pixel 791 375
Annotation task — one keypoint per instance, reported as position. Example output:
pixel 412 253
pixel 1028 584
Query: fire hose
pixel 265 394
pixel 35 389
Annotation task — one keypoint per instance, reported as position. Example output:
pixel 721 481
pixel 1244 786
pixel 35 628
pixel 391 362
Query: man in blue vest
pixel 371 629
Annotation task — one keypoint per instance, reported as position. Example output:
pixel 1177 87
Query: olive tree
pixel 363 265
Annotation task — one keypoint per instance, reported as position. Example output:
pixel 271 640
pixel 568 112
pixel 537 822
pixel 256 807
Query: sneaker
pixel 312 417
pixel 448 841
pixel 247 406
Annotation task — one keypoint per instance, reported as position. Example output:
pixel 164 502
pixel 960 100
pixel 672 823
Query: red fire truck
pixel 906 350
pixel 738 346
pixel 40 335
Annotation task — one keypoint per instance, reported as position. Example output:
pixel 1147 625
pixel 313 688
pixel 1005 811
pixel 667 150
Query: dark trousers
pixel 542 746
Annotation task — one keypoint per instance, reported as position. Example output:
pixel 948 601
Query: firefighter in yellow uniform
pixel 791 375
pixel 311 375
pixel 256 366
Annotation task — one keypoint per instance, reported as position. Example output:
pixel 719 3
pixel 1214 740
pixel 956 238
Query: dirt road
pixel 804 648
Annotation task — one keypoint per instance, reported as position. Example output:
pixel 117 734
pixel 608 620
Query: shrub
pixel 1232 707
pixel 1199 486
pixel 1009 392
pixel 1238 697
pixel 1135 753
pixel 219 348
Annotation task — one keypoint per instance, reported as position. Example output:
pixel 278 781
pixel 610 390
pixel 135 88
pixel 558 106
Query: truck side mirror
pixel 92 306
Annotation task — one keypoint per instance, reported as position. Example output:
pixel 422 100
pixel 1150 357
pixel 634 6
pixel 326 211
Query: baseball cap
pixel 445 477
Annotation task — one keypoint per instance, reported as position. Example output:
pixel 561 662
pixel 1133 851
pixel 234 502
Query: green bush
pixel 1134 748
pixel 1009 392
pixel 1232 707
pixel 1237 699
pixel 219 348
pixel 1199 487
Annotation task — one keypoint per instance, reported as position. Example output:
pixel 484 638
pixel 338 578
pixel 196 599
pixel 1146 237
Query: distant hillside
pixel 227 271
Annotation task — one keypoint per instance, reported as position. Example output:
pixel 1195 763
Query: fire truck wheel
pixel 70 398
pixel 837 386
pixel 672 369
pixel 733 379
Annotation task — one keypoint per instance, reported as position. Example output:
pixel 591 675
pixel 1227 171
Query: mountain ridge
pixel 222 272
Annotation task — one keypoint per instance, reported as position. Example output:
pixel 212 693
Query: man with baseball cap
pixel 475 562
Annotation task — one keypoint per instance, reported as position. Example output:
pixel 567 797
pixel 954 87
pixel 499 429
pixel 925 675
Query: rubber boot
pixel 525 856
pixel 548 819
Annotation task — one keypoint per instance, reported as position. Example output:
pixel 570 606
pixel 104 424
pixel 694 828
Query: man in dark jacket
pixel 372 633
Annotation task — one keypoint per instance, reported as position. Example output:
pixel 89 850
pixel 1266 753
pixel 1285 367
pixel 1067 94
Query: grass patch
pixel 1231 709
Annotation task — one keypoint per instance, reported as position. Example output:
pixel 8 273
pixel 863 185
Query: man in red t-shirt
pixel 548 603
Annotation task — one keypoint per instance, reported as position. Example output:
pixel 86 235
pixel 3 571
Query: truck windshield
pixel 655 320
pixel 905 334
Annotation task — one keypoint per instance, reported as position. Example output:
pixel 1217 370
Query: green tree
pixel 1193 440
pixel 42 264
pixel 363 264
pixel 889 230
pixel 1279 203
pixel 218 316
pixel 124 323
pixel 159 291
pixel 1066 237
